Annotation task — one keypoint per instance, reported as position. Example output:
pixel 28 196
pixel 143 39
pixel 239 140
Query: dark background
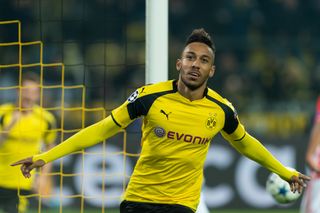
pixel 267 62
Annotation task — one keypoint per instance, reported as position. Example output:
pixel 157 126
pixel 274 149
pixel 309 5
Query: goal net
pixel 82 79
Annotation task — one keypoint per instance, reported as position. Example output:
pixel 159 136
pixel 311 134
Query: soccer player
pixel 311 198
pixel 23 129
pixel 180 118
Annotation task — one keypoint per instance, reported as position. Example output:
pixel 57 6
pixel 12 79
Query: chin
pixel 193 86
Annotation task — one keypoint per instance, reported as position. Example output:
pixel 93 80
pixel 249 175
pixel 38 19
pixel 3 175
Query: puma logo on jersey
pixel 166 114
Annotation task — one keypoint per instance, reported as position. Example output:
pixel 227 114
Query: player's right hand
pixel 27 165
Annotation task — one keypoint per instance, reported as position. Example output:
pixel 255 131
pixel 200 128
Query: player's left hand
pixel 298 183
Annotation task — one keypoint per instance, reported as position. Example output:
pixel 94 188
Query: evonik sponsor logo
pixel 187 138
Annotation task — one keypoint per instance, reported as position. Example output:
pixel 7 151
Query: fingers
pixel 304 177
pixel 27 165
pixel 298 183
pixel 23 161
pixel 26 169
pixel 294 186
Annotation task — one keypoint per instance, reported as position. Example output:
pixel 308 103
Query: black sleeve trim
pixel 231 122
pixel 142 105
pixel 114 120
pixel 241 137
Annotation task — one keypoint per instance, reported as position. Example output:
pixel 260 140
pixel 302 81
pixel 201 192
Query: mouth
pixel 194 74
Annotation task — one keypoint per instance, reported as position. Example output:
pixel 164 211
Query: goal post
pixel 156 41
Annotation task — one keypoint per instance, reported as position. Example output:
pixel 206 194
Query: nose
pixel 196 63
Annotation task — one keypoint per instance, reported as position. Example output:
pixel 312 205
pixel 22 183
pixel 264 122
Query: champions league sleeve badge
pixel 133 96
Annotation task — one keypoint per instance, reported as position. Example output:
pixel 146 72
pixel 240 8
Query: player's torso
pixel 24 138
pixel 175 125
pixel 176 137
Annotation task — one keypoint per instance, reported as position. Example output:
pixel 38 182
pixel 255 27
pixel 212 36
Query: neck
pixel 191 94
pixel 25 110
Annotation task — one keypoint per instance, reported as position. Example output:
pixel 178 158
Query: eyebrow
pixel 191 52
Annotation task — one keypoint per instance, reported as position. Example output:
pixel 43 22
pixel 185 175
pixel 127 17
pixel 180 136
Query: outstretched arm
pixel 253 149
pixel 83 139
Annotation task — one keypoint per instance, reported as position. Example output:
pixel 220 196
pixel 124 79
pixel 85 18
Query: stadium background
pixel 267 64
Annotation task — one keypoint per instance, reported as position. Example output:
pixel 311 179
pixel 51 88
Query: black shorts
pixel 139 207
pixel 9 199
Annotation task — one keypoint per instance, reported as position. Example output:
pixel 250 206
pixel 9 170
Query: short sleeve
pixel 233 129
pixel 131 109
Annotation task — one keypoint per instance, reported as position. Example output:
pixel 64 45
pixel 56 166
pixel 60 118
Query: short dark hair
pixel 200 35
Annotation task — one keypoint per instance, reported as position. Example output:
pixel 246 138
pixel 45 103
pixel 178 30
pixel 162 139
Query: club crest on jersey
pixel 133 96
pixel 159 131
pixel 211 122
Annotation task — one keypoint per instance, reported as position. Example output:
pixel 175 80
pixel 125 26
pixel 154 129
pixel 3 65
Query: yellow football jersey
pixel 24 140
pixel 176 136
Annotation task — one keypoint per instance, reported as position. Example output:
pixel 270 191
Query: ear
pixel 212 71
pixel 178 64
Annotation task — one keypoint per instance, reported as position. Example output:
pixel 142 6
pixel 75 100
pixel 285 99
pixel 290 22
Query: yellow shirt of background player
pixel 24 139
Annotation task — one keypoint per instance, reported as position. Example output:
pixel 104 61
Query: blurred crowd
pixel 267 51
pixel 100 42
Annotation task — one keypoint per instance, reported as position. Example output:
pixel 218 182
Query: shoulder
pixel 157 87
pixel 152 89
pixel 215 97
pixel 45 114
pixel 5 108
pixel 231 116
pixel 141 100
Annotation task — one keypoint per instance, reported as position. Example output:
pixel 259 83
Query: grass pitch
pixel 212 211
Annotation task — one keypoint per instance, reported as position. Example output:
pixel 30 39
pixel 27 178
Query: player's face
pixel 30 93
pixel 196 65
